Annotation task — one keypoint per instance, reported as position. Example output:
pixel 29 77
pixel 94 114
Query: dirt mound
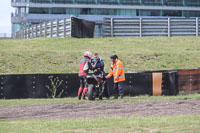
pixel 99 109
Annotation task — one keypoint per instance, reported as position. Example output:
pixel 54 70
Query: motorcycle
pixel 95 85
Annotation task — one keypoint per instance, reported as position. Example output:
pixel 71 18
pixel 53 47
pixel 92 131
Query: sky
pixel 5 16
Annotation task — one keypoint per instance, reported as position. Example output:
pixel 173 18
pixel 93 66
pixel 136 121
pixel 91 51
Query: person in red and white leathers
pixel 84 67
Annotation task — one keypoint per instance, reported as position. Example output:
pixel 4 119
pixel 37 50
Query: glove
pixel 105 77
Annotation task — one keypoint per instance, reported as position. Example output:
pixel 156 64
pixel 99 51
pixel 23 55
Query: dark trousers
pixel 105 90
pixel 83 82
pixel 83 87
pixel 118 88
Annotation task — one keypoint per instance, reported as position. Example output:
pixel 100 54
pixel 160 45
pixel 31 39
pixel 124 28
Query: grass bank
pixel 62 55
pixel 153 124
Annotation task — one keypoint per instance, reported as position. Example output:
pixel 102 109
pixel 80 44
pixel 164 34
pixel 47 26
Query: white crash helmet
pixel 88 54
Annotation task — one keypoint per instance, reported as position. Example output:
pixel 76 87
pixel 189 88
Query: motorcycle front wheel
pixel 91 93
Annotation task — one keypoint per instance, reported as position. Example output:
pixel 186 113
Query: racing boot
pixel 115 97
pixel 100 95
pixel 83 98
pixel 84 93
pixel 121 95
pixel 108 98
pixel 79 93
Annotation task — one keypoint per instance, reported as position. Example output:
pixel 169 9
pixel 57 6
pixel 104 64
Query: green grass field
pixel 62 55
pixel 21 102
pixel 153 124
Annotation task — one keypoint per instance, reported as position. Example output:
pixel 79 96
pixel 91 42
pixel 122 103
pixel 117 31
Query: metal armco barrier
pixel 34 85
pixel 153 26
pixel 71 27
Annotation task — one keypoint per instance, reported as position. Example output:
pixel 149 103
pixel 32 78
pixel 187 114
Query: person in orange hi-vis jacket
pixel 117 71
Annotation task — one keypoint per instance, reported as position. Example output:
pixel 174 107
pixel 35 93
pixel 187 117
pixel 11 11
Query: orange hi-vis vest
pixel 117 71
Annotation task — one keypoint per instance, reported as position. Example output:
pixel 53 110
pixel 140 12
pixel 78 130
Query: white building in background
pixel 28 12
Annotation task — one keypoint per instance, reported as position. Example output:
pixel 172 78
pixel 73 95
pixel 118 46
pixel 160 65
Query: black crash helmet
pixel 114 56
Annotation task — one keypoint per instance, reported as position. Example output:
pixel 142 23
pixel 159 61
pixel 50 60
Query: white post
pixel 64 28
pixel 36 31
pixel 57 28
pixel 40 29
pixel 71 26
pixel 197 26
pixel 140 27
pixel 26 33
pixel 32 31
pixel 29 31
pixel 183 2
pixel 23 31
pixel 51 28
pixel 45 28
pixel 111 26
pixel 169 27
pixel 19 34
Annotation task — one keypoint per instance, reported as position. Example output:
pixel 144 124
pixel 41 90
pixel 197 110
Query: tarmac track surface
pixel 99 109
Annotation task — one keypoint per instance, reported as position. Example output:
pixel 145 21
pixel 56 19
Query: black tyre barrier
pixel 170 83
pixel 34 85
pixel 139 84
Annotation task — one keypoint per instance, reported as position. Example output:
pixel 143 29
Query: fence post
pixel 183 2
pixel 197 26
pixel 51 28
pixel 64 28
pixel 29 32
pixel 140 27
pixel 26 32
pixel 23 32
pixel 32 31
pixel 45 29
pixel 19 35
pixel 111 26
pixel 57 28
pixel 40 29
pixel 36 31
pixel 169 27
pixel 71 26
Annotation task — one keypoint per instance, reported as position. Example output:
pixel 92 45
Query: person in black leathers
pixel 98 68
